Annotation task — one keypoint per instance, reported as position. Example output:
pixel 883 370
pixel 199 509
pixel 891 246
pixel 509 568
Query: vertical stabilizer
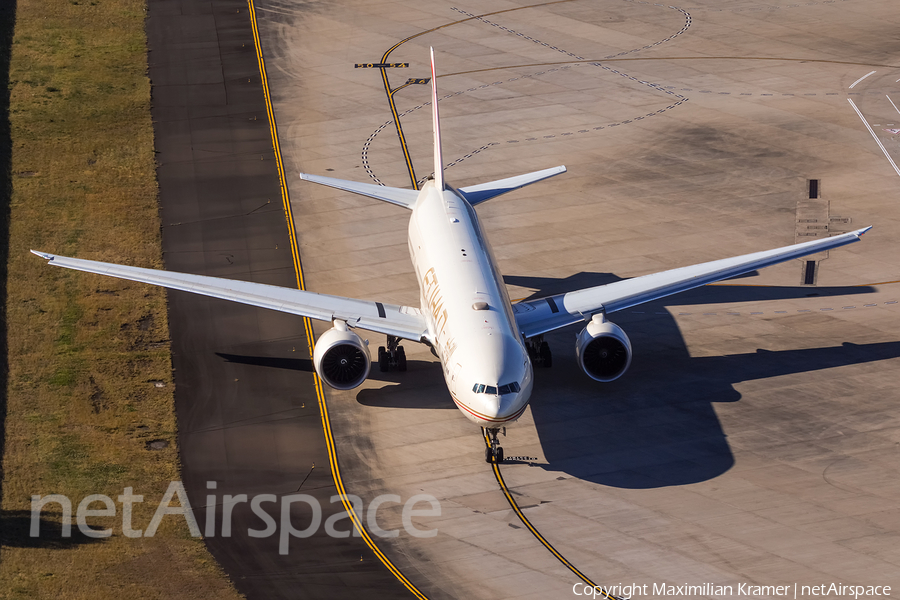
pixel 436 124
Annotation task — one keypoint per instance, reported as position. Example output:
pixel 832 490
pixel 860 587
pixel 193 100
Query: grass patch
pixel 77 177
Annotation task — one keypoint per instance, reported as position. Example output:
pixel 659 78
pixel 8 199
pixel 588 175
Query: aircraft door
pixel 454 376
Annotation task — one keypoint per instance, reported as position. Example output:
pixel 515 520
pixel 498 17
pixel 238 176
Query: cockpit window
pixel 508 388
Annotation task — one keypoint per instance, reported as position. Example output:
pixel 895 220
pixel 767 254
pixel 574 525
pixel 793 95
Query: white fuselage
pixel 467 310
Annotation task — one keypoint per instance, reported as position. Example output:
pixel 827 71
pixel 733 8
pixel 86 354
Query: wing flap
pixel 540 316
pixel 401 321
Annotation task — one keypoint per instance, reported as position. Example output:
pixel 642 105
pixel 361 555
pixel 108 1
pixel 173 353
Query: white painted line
pixel 892 104
pixel 875 137
pixel 860 79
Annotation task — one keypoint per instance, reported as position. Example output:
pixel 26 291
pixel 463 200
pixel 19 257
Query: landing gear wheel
pixel 493 453
pixel 384 360
pixel 545 355
pixel 539 352
pixel 401 358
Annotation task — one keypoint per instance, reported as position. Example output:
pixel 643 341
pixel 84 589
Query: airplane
pixel 486 344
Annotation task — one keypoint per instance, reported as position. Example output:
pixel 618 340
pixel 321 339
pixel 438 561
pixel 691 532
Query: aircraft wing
pixel 535 317
pixel 401 321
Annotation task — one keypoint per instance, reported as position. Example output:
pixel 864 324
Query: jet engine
pixel 341 357
pixel 603 350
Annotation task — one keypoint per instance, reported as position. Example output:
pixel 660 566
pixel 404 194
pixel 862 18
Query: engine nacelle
pixel 603 349
pixel 341 357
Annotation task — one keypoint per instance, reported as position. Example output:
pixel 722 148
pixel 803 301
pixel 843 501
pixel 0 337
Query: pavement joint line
pixel 323 407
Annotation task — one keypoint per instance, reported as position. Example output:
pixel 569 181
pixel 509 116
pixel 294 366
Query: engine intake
pixel 603 349
pixel 341 357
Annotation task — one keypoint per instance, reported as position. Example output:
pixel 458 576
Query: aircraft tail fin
pixel 436 125
pixel 399 196
pixel 475 194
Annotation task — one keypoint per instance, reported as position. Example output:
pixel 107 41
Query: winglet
pixel 43 255
pixel 436 124
pixel 863 231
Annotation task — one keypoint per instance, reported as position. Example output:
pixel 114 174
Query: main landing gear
pixel 539 352
pixel 392 357
pixel 494 453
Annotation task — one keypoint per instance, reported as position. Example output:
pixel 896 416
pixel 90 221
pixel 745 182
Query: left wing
pixel 546 314
pixel 401 321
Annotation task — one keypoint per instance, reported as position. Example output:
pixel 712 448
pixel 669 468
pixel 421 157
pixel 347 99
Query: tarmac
pixel 755 438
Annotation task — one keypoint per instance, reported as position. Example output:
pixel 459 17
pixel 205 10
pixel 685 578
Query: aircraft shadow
pixel 272 362
pixel 656 426
pixel 421 386
pixel 15 531
pixel 710 294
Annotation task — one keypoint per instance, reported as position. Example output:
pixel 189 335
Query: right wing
pixel 400 321
pixel 536 317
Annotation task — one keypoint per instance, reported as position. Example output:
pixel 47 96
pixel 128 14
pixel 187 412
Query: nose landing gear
pixel 493 453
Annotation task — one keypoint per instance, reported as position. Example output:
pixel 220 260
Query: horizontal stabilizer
pixel 475 194
pixel 399 196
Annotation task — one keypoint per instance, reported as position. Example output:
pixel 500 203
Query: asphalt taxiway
pixel 755 438
pixel 248 417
